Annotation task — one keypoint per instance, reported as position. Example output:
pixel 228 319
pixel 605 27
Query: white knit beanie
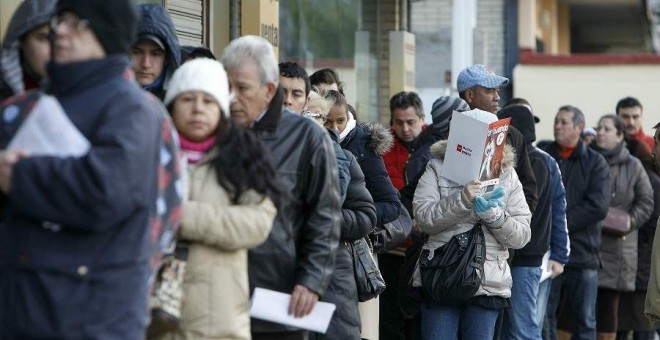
pixel 202 74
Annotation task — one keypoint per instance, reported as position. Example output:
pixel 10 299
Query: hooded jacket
pixel 77 234
pixel 29 15
pixel 585 175
pixel 369 142
pixel 155 20
pixel 632 192
pixel 548 222
pixel 442 212
pixel 302 246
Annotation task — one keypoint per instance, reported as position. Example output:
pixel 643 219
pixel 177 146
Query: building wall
pixel 379 18
pixel 593 89
pixel 7 8
pixel 431 21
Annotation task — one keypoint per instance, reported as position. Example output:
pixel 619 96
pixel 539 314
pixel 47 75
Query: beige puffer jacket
pixel 215 289
pixel 442 212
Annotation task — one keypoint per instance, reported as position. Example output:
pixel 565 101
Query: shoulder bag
pixel 369 281
pixel 455 271
pixel 617 222
pixel 167 293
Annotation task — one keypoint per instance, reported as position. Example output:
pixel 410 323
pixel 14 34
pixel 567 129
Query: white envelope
pixel 545 273
pixel 47 130
pixel 273 306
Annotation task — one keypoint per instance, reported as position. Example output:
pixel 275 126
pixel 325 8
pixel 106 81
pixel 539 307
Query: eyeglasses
pixel 70 21
pixel 314 115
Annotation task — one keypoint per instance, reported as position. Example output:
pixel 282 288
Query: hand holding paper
pixel 274 307
pixel 472 190
pixel 555 268
pixel 497 194
pixel 47 130
pixel 488 211
pixel 302 301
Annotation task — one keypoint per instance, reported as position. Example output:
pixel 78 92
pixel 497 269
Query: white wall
pixel 593 89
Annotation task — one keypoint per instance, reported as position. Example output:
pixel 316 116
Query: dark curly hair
pixel 243 163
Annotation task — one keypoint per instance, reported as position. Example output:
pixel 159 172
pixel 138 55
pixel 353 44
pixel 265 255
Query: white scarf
pixel 349 126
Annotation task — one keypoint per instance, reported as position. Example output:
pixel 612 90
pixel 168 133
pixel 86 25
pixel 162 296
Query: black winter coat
pixel 369 142
pixel 302 245
pixel 531 255
pixel 358 215
pixel 586 178
pixel 647 230
pixel 523 167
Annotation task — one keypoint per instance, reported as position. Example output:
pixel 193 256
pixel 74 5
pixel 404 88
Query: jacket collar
pixel 74 77
pixel 272 117
pixel 579 151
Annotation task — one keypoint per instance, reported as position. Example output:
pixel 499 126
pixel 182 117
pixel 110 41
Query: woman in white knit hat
pixel 231 182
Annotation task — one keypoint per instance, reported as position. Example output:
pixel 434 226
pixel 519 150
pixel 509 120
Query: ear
pixel 580 126
pixel 271 89
pixel 469 96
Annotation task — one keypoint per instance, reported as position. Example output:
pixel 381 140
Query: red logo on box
pixel 459 148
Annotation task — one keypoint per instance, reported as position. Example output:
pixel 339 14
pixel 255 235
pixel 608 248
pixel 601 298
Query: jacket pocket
pixel 498 279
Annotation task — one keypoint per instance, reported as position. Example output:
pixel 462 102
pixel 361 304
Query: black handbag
pixel 369 281
pixel 393 234
pixel 455 271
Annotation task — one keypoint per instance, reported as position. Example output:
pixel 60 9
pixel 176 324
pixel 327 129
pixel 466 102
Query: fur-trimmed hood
pixel 381 138
pixel 439 150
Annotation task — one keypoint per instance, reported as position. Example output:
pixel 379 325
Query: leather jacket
pixel 302 245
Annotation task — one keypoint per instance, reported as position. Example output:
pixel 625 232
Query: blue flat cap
pixel 479 75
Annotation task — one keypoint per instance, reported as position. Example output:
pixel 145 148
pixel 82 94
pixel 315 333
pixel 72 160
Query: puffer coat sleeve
pixel 358 211
pixel 228 227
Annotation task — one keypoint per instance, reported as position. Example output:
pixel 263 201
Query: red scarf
pixel 195 151
pixel 566 151
pixel 640 136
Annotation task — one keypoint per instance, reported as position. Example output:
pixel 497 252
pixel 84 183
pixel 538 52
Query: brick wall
pixel 379 18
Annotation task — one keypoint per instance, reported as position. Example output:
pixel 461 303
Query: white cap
pixel 201 74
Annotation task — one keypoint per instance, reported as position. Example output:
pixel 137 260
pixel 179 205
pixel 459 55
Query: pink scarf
pixel 195 151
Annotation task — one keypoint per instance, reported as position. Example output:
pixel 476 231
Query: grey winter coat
pixel 442 211
pixel 29 15
pixel 631 191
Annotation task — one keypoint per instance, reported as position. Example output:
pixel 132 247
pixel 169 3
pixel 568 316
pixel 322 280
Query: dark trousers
pixel 392 321
pixel 297 335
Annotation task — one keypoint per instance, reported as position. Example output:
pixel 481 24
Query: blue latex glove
pixel 488 211
pixel 497 193
pixel 480 205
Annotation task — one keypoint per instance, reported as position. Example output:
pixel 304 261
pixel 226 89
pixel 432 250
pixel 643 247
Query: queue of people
pixel 267 177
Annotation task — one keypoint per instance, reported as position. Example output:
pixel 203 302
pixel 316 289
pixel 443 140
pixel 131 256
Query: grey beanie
pixel 442 110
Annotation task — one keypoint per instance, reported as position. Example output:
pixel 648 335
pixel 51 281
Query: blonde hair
pixel 317 99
